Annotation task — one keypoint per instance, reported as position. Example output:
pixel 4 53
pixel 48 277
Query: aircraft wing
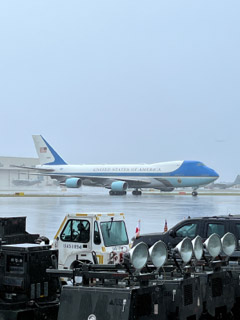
pixel 88 180
pixel 105 181
pixel 95 180
pixel 31 168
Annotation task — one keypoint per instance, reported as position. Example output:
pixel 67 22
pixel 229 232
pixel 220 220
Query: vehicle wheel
pixel 206 316
pixel 230 316
pixel 111 193
pixel 194 193
pixel 63 282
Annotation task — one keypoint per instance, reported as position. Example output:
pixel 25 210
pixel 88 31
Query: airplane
pixel 224 185
pixel 164 176
pixel 25 182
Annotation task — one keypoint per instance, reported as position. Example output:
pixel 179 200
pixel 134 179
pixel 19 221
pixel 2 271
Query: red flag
pixel 137 232
pixel 165 226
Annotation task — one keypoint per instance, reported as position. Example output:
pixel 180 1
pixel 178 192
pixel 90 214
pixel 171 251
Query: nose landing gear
pixel 194 193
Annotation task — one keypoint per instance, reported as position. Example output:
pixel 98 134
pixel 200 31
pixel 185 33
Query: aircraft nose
pixel 212 173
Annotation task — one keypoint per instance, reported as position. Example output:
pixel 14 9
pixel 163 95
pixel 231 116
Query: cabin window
pixel 238 230
pixel 188 230
pixel 76 231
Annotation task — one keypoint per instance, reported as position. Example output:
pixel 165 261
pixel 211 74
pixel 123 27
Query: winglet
pixel 237 180
pixel 47 155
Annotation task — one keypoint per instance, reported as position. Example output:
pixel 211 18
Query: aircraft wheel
pixel 117 193
pixel 194 193
pixel 137 192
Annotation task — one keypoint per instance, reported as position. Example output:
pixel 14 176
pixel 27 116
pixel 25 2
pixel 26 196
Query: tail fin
pixel 47 155
pixel 237 180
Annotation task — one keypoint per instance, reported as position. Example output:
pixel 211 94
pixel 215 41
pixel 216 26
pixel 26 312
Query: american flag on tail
pixel 43 149
pixel 137 232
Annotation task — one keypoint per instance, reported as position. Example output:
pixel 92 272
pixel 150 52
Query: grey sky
pixel 122 81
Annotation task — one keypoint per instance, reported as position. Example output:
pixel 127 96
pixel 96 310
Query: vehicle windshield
pixel 114 233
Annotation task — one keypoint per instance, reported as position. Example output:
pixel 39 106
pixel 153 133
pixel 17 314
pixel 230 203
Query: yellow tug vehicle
pixel 97 238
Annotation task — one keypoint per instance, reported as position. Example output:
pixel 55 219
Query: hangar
pixel 16 178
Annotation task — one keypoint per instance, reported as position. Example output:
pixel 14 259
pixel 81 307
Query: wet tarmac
pixel 45 214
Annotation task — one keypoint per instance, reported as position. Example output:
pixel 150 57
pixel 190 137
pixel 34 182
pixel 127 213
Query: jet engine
pixel 119 186
pixel 73 183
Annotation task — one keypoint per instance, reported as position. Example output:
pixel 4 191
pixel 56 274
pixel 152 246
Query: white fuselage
pixel 169 174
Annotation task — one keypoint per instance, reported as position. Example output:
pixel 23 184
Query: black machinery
pixel 113 293
pixel 13 230
pixel 144 287
pixel 26 290
pixel 192 281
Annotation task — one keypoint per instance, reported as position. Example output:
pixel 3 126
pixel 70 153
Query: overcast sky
pixel 125 81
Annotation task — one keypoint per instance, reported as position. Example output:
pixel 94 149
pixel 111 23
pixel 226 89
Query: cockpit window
pixel 114 233
pixel 200 164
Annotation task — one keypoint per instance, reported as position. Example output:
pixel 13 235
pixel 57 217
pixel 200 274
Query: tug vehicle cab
pixel 91 238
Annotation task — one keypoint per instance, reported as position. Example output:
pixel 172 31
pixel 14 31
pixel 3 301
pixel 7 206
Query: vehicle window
pixel 238 230
pixel 96 236
pixel 188 230
pixel 76 231
pixel 114 233
pixel 66 235
pixel 215 228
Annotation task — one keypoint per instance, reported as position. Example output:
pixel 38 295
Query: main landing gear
pixel 137 192
pixel 194 193
pixel 117 193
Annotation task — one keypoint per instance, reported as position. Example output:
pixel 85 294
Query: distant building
pixel 17 178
